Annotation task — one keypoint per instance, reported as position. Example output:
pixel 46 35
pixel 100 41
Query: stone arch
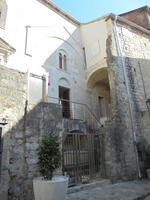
pixel 64 82
pixel 100 74
pixel 98 81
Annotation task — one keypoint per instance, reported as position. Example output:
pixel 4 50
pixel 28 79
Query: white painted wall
pixel 74 76
pixel 40 44
pixel 41 41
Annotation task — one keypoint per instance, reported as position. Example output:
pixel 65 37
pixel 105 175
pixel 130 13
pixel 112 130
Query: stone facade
pixel 13 94
pixel 123 128
pixel 27 125
pixel 94 69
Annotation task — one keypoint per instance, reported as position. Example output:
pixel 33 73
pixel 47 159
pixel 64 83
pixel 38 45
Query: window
pixel 65 62
pixel 62 60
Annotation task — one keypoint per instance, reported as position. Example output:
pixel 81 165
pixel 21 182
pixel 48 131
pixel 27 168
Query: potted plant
pixel 49 187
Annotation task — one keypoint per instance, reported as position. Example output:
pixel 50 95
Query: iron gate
pixel 82 157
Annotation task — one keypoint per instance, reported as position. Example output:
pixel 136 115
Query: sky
pixel 86 10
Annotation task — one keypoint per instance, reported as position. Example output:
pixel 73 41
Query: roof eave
pixel 132 24
pixel 7 47
pixel 60 12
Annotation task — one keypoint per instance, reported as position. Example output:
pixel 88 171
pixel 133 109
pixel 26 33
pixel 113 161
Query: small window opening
pixel 60 60
pixel 65 62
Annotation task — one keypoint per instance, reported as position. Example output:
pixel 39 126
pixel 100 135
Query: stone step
pixel 99 183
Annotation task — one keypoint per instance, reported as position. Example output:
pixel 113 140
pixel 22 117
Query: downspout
pixel 118 45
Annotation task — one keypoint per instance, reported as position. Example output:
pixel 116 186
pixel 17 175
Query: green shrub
pixel 49 156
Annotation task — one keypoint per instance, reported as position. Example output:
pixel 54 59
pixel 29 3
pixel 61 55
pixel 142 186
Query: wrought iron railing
pixel 76 110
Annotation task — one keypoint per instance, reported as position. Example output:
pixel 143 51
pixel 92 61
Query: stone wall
pixel 135 46
pixel 13 94
pixel 27 125
pixel 136 51
pixel 38 122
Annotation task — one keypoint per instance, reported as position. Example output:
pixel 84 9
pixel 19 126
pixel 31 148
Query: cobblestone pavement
pixel 133 190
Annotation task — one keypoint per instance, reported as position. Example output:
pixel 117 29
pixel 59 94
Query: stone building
pixel 59 74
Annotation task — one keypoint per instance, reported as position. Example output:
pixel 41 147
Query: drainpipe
pixel 118 45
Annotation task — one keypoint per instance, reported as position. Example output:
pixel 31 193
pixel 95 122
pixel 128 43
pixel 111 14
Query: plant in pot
pixel 144 153
pixel 49 187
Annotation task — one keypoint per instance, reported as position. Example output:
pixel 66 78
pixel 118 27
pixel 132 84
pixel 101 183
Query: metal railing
pixel 76 110
pixel 82 159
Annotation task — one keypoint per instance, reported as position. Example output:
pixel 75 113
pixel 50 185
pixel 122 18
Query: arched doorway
pixel 98 82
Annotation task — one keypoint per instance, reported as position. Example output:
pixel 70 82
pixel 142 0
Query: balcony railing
pixel 76 110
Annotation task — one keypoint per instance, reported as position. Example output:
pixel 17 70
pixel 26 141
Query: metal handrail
pixel 85 105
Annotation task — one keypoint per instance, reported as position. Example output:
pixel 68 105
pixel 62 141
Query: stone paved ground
pixel 147 198
pixel 133 190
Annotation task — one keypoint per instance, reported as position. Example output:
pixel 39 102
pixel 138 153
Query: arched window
pixel 62 60
pixel 65 62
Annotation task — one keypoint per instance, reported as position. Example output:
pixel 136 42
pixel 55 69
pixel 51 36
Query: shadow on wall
pixel 71 51
pixel 20 147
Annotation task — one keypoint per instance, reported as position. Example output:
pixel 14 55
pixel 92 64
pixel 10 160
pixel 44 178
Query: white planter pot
pixel 54 189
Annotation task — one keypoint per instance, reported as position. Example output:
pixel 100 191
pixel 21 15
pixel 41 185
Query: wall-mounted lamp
pixel 4 122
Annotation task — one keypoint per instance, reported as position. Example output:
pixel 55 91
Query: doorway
pixel 102 106
pixel 64 96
